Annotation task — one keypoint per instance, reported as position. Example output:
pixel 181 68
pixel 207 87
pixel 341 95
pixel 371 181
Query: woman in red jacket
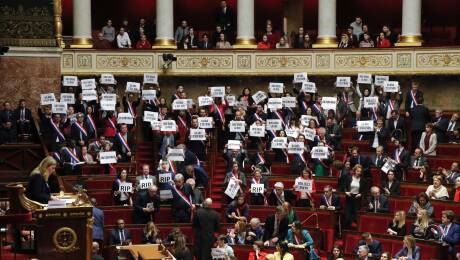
pixel 257 254
pixel 264 44
pixel 383 42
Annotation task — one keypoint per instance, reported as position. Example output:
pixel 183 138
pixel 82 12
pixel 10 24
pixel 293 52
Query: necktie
pixel 416 162
pixel 376 203
pixel 22 115
pixel 122 236
pixel 451 126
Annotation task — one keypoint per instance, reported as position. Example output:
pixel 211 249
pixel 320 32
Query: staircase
pixel 217 179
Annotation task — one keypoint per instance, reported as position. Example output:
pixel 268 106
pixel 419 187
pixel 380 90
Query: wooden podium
pixel 60 233
pixel 144 252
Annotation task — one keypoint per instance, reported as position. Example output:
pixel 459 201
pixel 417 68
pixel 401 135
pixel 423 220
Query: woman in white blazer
pixel 429 141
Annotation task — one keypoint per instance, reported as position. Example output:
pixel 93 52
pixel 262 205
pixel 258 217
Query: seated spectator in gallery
pixel 272 36
pixel 429 141
pixel 143 43
pixel 409 250
pixel 205 43
pixel 222 43
pixel 397 227
pixel 391 36
pixel 264 44
pixel 367 42
pixel 282 44
pixel 345 42
pixel 383 41
pixel 8 133
pixel 422 201
pixel 101 43
pixel 151 234
pixel 123 40
pixel 238 209
pixel 23 118
pixel 437 191
pixel 255 231
pixel 184 44
pixel 352 37
pixel 307 41
pixel 193 39
pixel 119 235
pixel 374 246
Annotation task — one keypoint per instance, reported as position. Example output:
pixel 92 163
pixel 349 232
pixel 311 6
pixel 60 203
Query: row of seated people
pixel 15 124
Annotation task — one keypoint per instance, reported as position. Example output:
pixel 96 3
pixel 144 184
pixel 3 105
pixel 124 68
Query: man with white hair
pixel 182 204
pixel 363 252
pixel 377 202
pixel 95 255
pixel 279 195
pixel 147 204
pixel 197 196
pixel 205 225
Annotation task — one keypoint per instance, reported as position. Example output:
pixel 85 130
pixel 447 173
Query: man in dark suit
pixel 381 133
pixel 329 200
pixel 205 225
pixel 375 247
pixel 95 255
pixel 357 158
pixel 279 195
pixel 23 117
pixel 205 43
pixel 232 156
pixel 6 115
pixel 378 159
pixel 420 116
pixel 225 17
pixel 412 97
pixel 181 205
pixel 402 157
pixel 440 124
pixel 450 231
pixel 71 158
pixel 79 131
pixel 124 144
pixel 98 222
pixel 453 123
pixel 147 204
pixel 120 235
pixel 377 202
pixel 276 227
pixel 451 175
pixel 396 126
pixel 417 161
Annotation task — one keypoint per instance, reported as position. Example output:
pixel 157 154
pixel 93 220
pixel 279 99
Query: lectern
pixel 144 252
pixel 60 233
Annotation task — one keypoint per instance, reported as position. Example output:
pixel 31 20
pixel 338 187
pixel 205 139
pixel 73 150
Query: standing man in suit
pixel 147 204
pixel 182 31
pixel 98 223
pixel 396 126
pixel 379 136
pixel 120 235
pixel 402 157
pixel 79 131
pixel 276 227
pixel 440 124
pixel 182 205
pixel 225 17
pixel 23 117
pixel 450 231
pixel 145 176
pixel 124 144
pixel 329 200
pixel 205 225
pixel 418 160
pixel 377 202
pixel 420 116
pixel 412 97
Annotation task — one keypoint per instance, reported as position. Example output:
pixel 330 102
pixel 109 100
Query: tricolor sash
pixel 81 128
pixel 374 114
pixel 281 118
pixel 261 158
pixel 177 96
pixel 302 158
pixel 92 124
pixel 257 117
pixel 183 196
pixel 131 109
pixel 58 131
pixel 304 106
pixel 317 108
pixel 112 124
pixel 171 165
pixel 72 155
pixel 280 201
pixel 57 156
pixel 123 141
pixel 398 154
pixel 414 99
pixel 392 105
pixel 183 122
pixel 221 115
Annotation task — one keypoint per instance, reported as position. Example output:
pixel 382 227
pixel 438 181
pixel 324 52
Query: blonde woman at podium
pixel 42 181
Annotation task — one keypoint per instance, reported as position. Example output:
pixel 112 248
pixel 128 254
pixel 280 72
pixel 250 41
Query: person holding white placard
pixel 304 197
pixel 145 176
pixel 246 97
pixel 124 144
pixel 130 103
pixel 380 135
pixel 261 159
pixel 300 160
pixel 258 198
pixel 198 147
pixel 236 175
pixel 279 195
pixel 121 197
pixel 79 131
pixel 323 165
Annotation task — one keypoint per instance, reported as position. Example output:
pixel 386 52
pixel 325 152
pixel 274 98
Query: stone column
pixel 411 24
pixel 326 25
pixel 82 35
pixel 165 25
pixel 245 21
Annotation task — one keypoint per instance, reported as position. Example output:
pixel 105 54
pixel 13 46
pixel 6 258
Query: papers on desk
pixel 52 204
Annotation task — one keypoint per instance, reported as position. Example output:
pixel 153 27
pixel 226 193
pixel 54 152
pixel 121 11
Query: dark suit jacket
pixel 225 19
pixel 394 189
pixel 114 237
pixel 37 189
pixel 365 162
pixel 362 185
pixel 422 161
pixel 205 224
pixel 378 162
pixel 382 207
pixel 270 226
pixel 441 129
pixel 382 135
pixel 409 99
pixel 27 114
pixel 179 208
pixel 7 115
pixel 420 115
pixel 96 257
pixel 117 145
pixel 203 45
pixel 143 197
pixel 404 251
pixel 400 125
pixel 75 134
pixel 375 248
pixel 288 196
pixel 335 201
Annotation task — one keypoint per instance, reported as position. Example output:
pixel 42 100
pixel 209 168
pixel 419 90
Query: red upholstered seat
pixel 15 218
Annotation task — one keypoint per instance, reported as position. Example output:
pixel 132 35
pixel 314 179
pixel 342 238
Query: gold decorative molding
pixel 204 62
pixel 410 41
pixel 113 62
pixel 325 42
pixel 438 60
pixel 57 7
pixel 363 61
pixel 404 60
pixel 283 61
pixel 323 61
pixel 84 61
pixel 244 62
pixel 67 61
pixel 65 239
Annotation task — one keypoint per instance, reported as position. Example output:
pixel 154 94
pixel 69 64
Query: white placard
pixel 58 203
pixel 305 119
pixel 371 102
pixel 164 177
pixel 319 152
pixel 218 253
pixel 59 107
pixel 233 144
pixel 259 96
pixel 365 126
pixel 231 99
pixel 296 147
pixel 309 133
pixel 205 101
pixel 125 118
pixel 150 116
pixel 107 79
pixel 289 101
pixel 175 154
pixel 217 91
pixel 304 185
pixel 379 80
pixel 274 124
pixel 309 87
pixel 275 87
pixel 89 95
pixel 166 194
pixel 232 188
pixel 155 125
pixel 237 126
pixel 87 84
pixel 364 78
pixel 125 187
pixel 150 78
pixel 300 77
pixel 390 164
pixel 47 99
pixel 279 143
pixel 329 103
pixel 343 82
pixel 205 122
pixel 145 184
pixel 107 105
pixel 70 81
pixel 257 188
pixel 110 97
pixel 275 103
pixel 133 87
pixel 179 104
pixel 391 86
pixel 168 126
pixel 197 134
pixel 257 131
pixel 68 98
pixel 189 103
pixel 107 157
pixel 149 94
pixel 291 133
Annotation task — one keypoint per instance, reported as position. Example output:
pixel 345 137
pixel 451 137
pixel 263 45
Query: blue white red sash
pixel 131 109
pixel 304 106
pixel 392 105
pixel 255 181
pixel 374 114
pixel 92 124
pixel 171 166
pixel 317 108
pixel 58 131
pixel 112 124
pixel 123 141
pixel 72 155
pixel 398 154
pixel 414 99
pixel 81 128
pixel 183 196
pixel 302 158
pixel 261 158
pixel 257 117
pixel 57 156
pixel 221 115
pixel 280 201
pixel 286 154
pixel 198 163
pixel 272 132
pixel 177 96
pixel 281 118
pixel 183 122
